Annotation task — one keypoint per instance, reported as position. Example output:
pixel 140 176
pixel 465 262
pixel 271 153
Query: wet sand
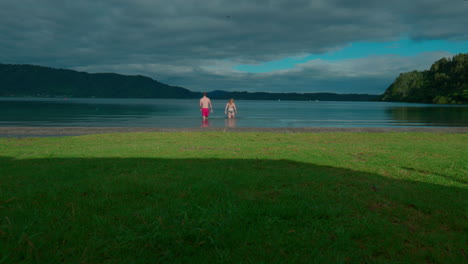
pixel 76 131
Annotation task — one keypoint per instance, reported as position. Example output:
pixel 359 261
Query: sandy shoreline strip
pixel 75 131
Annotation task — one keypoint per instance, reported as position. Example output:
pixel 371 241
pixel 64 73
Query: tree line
pixel 445 83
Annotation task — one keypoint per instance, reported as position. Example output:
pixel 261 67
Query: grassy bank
pixel 234 198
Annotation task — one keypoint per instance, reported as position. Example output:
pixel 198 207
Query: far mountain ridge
pixel 25 80
pixel 33 80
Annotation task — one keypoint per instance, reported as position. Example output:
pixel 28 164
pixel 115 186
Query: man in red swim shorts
pixel 205 106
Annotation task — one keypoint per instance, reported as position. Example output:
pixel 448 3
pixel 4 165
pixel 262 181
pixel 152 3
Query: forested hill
pixel 31 80
pixel 445 83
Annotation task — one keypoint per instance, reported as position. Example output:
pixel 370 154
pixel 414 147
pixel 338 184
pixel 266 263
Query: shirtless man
pixel 205 106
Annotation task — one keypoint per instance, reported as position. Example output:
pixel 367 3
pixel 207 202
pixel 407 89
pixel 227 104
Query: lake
pixel 97 112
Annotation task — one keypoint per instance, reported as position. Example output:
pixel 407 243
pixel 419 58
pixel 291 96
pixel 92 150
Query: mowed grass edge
pixel 234 198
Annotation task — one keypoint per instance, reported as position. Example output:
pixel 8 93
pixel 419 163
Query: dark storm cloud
pixel 183 40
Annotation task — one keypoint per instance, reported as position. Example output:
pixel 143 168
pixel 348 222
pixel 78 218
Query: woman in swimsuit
pixel 230 109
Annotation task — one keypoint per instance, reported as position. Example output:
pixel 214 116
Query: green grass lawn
pixel 235 198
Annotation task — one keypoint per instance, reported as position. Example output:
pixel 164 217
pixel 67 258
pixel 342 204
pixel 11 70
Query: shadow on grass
pixel 143 210
pixel 450 178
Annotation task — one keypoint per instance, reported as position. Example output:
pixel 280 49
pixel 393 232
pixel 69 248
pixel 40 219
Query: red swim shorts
pixel 205 112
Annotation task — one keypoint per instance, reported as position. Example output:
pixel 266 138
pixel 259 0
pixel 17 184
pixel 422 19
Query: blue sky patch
pixel 404 47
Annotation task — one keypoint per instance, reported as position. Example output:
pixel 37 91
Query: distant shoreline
pixel 19 80
pixel 77 131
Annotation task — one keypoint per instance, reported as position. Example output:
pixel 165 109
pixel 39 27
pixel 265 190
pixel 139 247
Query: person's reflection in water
pixel 230 122
pixel 205 123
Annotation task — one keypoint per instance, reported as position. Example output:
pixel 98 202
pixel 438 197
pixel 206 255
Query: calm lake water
pixel 94 112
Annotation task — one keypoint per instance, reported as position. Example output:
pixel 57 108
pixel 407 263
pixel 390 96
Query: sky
pixel 336 46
